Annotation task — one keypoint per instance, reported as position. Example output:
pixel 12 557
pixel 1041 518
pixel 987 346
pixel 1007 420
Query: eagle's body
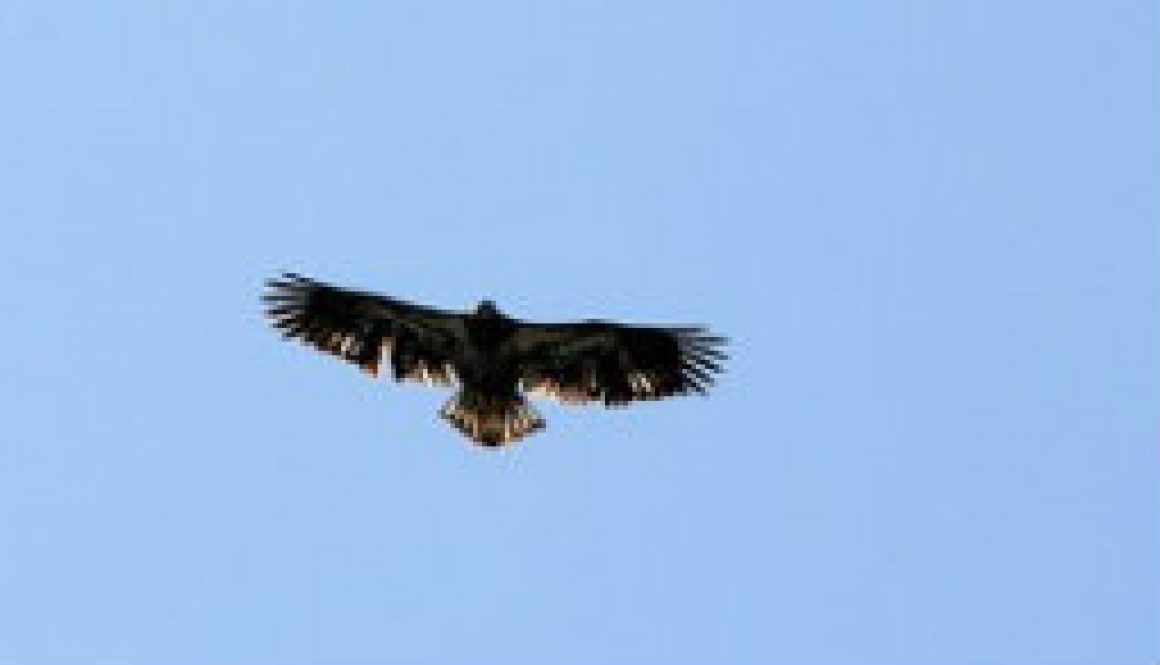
pixel 495 358
pixel 489 408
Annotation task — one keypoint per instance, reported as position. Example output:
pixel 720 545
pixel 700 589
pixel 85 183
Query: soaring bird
pixel 495 360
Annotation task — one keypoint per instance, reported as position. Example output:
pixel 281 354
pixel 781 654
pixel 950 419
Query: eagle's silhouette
pixel 495 358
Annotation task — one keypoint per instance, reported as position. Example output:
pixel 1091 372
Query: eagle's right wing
pixel 613 363
pixel 358 327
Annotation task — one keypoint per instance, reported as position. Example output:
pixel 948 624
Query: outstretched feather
pixel 614 363
pixel 359 327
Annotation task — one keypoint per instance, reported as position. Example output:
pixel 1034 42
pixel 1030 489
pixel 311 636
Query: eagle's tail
pixel 489 422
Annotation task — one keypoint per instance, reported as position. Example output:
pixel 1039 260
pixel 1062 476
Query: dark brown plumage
pixel 493 358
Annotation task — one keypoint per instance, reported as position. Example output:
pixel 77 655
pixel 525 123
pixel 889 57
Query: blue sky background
pixel 931 230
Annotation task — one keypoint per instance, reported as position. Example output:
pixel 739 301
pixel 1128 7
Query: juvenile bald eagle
pixel 495 358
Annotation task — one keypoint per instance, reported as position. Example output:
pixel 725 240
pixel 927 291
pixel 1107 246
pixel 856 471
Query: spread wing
pixel 359 327
pixel 614 363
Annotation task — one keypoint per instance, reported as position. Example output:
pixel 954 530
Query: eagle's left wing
pixel 358 327
pixel 613 363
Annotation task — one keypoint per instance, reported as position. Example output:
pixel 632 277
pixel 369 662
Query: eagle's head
pixel 486 309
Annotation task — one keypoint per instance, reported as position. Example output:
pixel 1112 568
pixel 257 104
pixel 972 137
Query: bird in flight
pixel 495 360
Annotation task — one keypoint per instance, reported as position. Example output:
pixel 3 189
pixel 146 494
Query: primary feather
pixel 493 357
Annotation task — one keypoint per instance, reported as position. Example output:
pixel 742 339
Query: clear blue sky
pixel 931 230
